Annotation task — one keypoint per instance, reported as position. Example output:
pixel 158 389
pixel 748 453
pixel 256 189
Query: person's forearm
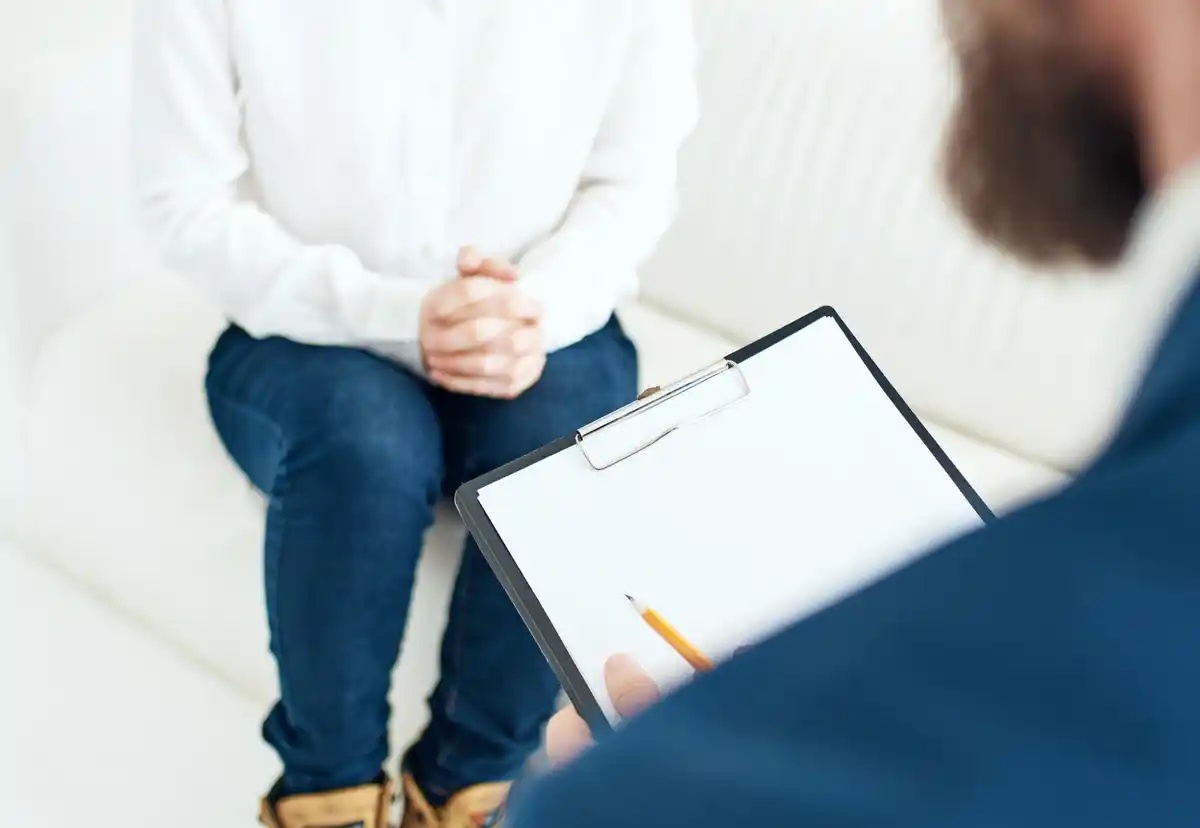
pixel 626 198
pixel 588 267
pixel 189 160
pixel 272 285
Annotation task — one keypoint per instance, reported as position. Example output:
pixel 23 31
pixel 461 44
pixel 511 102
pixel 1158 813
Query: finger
pixel 473 364
pixel 472 263
pixel 499 269
pixel 527 341
pixel 449 298
pixel 510 304
pixel 470 260
pixel 474 334
pixel 567 736
pixel 529 370
pixel 629 686
pixel 510 384
pixel 488 334
pixel 516 378
pixel 493 387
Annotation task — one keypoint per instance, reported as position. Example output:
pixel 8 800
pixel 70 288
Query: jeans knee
pixel 370 441
pixel 381 456
pixel 337 417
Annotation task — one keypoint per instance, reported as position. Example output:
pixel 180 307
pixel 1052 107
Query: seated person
pixel 419 218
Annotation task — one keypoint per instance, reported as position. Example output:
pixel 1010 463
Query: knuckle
pixel 530 340
pixel 472 290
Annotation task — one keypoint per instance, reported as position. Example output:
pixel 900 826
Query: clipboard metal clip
pixel 654 397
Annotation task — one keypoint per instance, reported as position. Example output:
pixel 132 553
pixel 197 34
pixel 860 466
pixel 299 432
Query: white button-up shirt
pixel 315 165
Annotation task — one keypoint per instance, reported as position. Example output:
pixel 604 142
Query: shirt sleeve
pixel 626 198
pixel 189 165
pixel 1041 672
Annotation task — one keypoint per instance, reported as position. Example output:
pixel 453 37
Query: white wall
pixel 11 448
pixel 45 48
pixel 812 179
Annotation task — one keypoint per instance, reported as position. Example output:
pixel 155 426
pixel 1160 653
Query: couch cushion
pixel 11 365
pixel 812 179
pixel 104 725
pixel 131 491
pixel 671 348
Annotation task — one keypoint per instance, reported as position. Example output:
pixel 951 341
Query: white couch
pixel 810 181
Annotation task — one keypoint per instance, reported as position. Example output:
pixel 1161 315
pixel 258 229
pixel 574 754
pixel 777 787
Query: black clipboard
pixel 466 499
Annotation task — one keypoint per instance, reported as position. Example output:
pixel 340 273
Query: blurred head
pixel 1043 154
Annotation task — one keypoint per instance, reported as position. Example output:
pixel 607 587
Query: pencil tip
pixel 628 596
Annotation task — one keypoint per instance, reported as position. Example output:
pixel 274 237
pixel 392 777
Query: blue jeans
pixel 353 453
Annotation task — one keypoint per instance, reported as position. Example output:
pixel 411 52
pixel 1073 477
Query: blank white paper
pixel 811 487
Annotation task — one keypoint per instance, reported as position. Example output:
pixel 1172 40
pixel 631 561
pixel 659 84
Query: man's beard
pixel 1038 158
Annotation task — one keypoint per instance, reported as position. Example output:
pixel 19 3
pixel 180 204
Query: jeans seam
pixel 273 501
pixel 277 500
pixel 448 746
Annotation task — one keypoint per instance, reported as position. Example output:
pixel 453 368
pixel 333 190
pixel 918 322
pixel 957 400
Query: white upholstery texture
pixel 812 180
pixel 75 237
pixel 104 726
pixel 11 364
pixel 671 349
pixel 134 495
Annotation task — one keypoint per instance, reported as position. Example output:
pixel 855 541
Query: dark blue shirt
pixel 1042 672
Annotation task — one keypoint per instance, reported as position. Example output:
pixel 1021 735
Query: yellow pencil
pixel 669 634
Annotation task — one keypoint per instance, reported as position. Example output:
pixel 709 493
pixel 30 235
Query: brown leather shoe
pixel 366 806
pixel 468 808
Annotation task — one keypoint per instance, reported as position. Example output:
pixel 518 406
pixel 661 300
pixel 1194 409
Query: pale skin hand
pixel 479 334
pixel 631 691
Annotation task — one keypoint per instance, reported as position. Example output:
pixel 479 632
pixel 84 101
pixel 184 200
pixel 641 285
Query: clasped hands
pixel 479 334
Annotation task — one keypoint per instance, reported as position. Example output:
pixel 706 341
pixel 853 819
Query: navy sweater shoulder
pixel 1042 672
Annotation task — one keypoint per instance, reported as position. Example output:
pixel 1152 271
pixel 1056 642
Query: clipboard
pixel 616 444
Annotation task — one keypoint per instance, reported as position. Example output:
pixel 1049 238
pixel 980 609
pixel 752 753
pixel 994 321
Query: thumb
pixel 501 269
pixel 470 261
pixel 629 686
pixel 567 736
